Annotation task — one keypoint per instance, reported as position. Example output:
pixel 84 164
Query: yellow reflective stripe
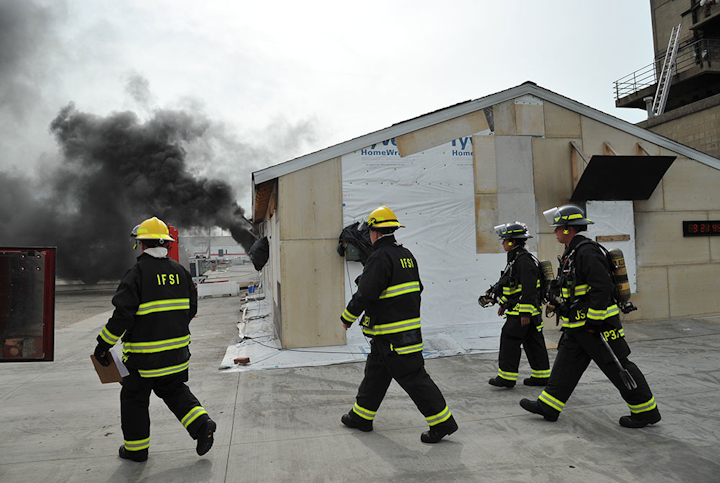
pixel 551 401
pixel 348 316
pixel 364 413
pixel 574 325
pixel 165 371
pixel 400 289
pixel 163 306
pixel 109 337
pixel 641 408
pixel 525 308
pixel 192 415
pixel 502 299
pixel 409 349
pixel 540 327
pixel 510 376
pixel 581 289
pixel 440 417
pixel 621 332
pixel 156 346
pixel 541 374
pixel 137 445
pixel 512 291
pixel 393 328
pixel 572 217
pixel 603 314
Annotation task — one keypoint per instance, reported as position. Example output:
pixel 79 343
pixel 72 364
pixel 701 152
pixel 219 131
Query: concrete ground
pixel 59 424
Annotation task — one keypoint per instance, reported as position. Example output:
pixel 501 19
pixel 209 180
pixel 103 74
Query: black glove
pixel 100 354
pixel 563 310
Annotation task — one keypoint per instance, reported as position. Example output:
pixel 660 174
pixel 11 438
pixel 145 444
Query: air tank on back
pixel 547 270
pixel 622 287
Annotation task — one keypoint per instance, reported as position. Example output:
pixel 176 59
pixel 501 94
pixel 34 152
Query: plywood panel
pixel 310 202
pixel 529 116
pixel 442 133
pixel 486 218
pixel 561 122
pixel 659 239
pixel 514 164
pixel 690 185
pixel 694 290
pixel 519 207
pixel 656 202
pixel 552 175
pixel 652 295
pixel 504 118
pixel 485 168
pixel 550 249
pixel 312 293
pixel 595 133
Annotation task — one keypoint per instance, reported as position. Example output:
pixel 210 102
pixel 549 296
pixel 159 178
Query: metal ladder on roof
pixel 663 87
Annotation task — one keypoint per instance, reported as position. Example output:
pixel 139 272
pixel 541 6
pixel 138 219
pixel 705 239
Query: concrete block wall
pixel 697 127
pixel 666 15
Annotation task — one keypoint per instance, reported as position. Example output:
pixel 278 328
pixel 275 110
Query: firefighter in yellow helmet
pixel 154 304
pixel 589 314
pixel 389 295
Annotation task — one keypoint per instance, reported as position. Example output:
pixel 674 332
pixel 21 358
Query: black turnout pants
pixel 383 365
pixel 514 335
pixel 577 347
pixel 135 400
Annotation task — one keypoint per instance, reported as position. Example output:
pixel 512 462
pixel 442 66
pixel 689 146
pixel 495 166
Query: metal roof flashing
pixel 442 115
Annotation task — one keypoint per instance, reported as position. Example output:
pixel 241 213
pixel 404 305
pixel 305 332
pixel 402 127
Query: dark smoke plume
pixel 116 171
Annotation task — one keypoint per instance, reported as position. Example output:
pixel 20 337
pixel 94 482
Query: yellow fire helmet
pixel 383 217
pixel 153 229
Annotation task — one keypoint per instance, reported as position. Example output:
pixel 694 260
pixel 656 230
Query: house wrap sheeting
pixel 432 194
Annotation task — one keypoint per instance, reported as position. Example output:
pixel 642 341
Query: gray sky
pixel 279 79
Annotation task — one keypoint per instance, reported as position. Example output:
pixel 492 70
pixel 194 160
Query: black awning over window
pixel 621 177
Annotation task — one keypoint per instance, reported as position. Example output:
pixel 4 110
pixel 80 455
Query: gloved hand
pixel 101 354
pixel 563 309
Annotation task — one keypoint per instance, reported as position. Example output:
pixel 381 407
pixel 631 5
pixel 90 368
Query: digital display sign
pixel 701 228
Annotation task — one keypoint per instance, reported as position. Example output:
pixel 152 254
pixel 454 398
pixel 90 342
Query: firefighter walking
pixel 590 317
pixel 389 295
pixel 154 304
pixel 519 294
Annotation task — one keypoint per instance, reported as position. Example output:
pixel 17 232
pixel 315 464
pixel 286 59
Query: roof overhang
pixel 621 177
pixel 527 88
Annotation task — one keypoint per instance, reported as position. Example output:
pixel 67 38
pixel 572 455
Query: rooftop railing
pixel 700 53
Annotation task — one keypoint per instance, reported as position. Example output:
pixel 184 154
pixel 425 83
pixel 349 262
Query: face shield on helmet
pixel 516 230
pixel 133 236
pixel 566 215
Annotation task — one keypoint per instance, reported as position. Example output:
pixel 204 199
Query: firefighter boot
pixel 638 421
pixel 535 381
pixel 205 437
pixel 435 434
pixel 138 456
pixel 351 420
pixel 536 407
pixel 500 382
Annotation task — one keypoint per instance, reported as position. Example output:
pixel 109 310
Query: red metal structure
pixel 27 304
pixel 174 251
